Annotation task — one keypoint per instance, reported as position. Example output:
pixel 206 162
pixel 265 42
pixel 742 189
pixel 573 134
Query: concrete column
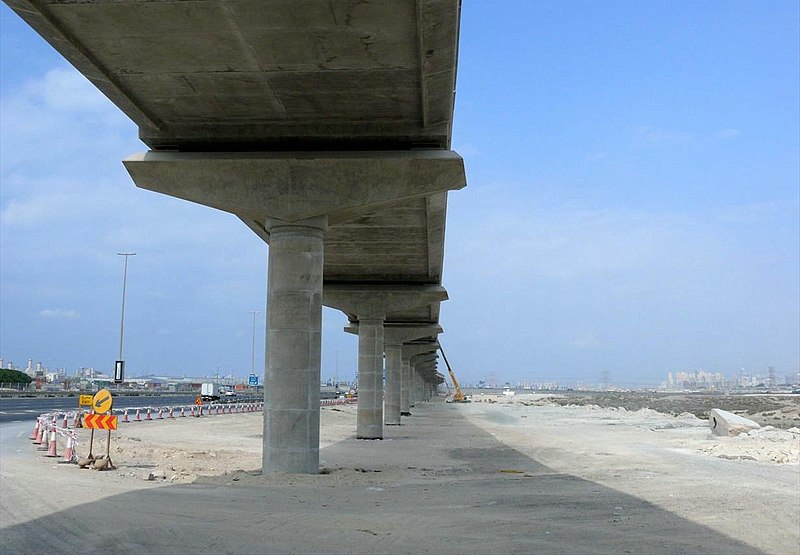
pixel 419 384
pixel 412 392
pixel 394 362
pixel 405 387
pixel 294 336
pixel 369 421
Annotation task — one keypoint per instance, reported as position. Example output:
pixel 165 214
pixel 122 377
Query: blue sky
pixel 632 207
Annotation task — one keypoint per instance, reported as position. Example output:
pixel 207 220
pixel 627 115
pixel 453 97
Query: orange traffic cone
pixel 149 415
pixel 183 412
pixel 64 423
pixel 40 434
pixel 35 432
pixel 125 416
pixel 172 412
pixel 44 444
pixel 53 444
pixel 138 417
pixel 69 451
pixel 160 414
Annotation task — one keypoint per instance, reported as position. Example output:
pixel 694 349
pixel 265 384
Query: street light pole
pixel 124 286
pixel 253 356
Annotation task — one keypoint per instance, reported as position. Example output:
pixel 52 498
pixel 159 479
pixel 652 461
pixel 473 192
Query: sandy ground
pixel 502 475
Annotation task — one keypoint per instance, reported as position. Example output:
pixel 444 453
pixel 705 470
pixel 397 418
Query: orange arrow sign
pixel 100 421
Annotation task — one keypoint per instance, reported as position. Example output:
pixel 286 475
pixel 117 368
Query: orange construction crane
pixel 458 397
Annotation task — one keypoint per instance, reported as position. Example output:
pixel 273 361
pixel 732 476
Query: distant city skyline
pixel 632 207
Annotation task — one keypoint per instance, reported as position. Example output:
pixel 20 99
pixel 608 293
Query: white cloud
pixel 66 90
pixel 586 341
pixel 728 133
pixel 59 313
pixel 647 135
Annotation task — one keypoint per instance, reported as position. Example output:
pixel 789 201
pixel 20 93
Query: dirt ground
pixel 777 410
pixel 500 475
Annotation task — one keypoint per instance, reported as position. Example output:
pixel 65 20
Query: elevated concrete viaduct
pixel 325 127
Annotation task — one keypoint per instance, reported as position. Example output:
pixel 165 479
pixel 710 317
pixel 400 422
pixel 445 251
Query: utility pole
pixel 253 352
pixel 119 368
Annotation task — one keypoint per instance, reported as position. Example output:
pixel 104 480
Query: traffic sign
pixel 100 422
pixel 101 402
pixel 85 400
pixel 253 379
pixel 119 371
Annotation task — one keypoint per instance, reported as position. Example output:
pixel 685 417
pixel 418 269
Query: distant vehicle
pixel 230 394
pixel 210 392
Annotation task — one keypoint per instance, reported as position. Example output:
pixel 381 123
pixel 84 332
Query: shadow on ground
pixel 438 484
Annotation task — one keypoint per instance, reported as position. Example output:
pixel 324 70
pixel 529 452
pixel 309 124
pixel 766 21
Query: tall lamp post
pixel 253 351
pixel 253 355
pixel 119 368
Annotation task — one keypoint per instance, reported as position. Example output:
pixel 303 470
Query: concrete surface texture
pixel 294 338
pixel 266 74
pixel 281 112
pixel 370 379
pixel 498 477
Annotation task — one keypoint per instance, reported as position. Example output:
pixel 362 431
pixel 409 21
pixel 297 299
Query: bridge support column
pixel 394 363
pixel 294 339
pixel 369 305
pixel 369 420
pixel 394 338
pixel 405 386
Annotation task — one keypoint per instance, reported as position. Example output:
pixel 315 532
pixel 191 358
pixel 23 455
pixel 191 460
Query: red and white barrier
pixel 52 445
pixel 69 450
pixel 45 434
pixel 40 434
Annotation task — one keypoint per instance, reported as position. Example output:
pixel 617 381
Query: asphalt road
pixel 21 409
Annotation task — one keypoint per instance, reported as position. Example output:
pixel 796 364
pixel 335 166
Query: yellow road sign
pixel 101 402
pixel 85 400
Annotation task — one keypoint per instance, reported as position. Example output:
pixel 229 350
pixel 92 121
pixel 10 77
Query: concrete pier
pixel 370 379
pixel 394 363
pixel 371 306
pixel 405 386
pixel 294 337
pixel 394 337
